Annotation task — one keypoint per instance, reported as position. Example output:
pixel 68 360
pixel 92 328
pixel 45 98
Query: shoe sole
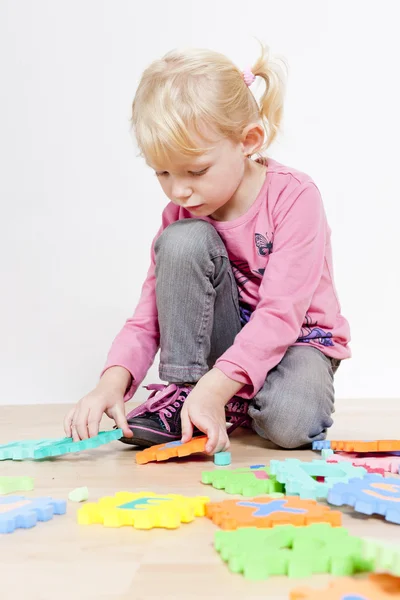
pixel 146 437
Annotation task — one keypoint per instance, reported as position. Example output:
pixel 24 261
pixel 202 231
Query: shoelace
pixel 164 399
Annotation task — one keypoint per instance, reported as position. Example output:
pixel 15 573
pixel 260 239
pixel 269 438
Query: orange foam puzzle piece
pixel 266 512
pixel 171 450
pixel 376 587
pixel 366 445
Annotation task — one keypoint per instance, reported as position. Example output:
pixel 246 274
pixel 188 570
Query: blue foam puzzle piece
pixel 45 448
pixel 19 512
pixel 321 445
pixel 374 494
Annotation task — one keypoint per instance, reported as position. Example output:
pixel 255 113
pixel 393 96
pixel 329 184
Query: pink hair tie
pixel 248 76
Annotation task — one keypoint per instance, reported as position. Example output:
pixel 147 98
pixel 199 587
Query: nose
pixel 181 193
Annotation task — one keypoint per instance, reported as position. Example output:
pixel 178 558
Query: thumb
pixel 187 427
pixel 121 422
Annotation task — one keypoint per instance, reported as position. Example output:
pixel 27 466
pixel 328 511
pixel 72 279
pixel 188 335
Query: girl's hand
pixel 83 420
pixel 208 415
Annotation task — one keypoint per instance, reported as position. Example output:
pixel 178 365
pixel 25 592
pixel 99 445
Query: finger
pixel 187 427
pixel 81 425
pixel 121 422
pixel 94 419
pixel 212 431
pixel 68 421
pixel 223 442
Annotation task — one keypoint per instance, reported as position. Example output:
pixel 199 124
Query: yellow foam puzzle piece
pixel 143 510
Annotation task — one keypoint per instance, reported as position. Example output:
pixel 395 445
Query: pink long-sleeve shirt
pixel 280 252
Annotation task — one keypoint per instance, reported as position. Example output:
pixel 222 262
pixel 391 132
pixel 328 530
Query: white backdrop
pixel 78 209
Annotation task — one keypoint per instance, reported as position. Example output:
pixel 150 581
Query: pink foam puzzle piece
pixel 373 464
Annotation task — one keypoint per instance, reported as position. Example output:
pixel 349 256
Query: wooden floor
pixel 60 559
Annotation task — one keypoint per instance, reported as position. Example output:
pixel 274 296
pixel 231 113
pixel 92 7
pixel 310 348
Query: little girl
pixel 239 296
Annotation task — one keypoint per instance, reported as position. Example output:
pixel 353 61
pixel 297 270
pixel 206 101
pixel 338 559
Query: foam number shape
pixel 143 510
pixel 163 452
pixel 20 512
pixel 376 587
pixel 9 485
pixel 373 494
pixel 359 445
pixel 245 481
pixel 266 512
pixel 292 551
pixel 45 448
pixel 373 464
pixel 298 476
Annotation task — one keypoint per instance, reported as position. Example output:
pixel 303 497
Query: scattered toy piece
pixel 144 510
pixel 45 448
pixel 385 555
pixel 373 494
pixel 265 512
pixel 222 459
pixel 79 494
pixel 359 445
pixel 175 449
pixel 20 512
pixel 299 476
pixel 292 551
pixel 245 481
pixel 376 587
pixel 326 453
pixel 9 485
pixel 373 463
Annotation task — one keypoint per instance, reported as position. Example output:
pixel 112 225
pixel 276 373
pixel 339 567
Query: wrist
pixel 116 379
pixel 222 387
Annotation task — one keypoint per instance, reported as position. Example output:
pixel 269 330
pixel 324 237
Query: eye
pixel 198 173
pixel 161 173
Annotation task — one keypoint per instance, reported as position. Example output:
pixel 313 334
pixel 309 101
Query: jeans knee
pixel 185 237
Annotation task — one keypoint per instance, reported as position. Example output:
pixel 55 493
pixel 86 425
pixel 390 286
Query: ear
pixel 252 138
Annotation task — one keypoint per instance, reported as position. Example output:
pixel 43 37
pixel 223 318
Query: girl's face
pixel 206 183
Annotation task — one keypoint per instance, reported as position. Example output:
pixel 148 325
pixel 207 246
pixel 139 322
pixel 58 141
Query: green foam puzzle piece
pixel 385 555
pixel 79 494
pixel 245 481
pixel 45 448
pixel 222 459
pixel 298 476
pixel 293 551
pixel 8 485
pixel 326 453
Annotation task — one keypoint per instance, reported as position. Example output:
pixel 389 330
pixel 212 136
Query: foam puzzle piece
pixel 244 481
pixel 143 510
pixel 45 448
pixel 292 551
pixel 298 476
pixel 9 485
pixel 373 494
pixel 376 587
pixel 266 512
pixel 175 449
pixel 326 453
pixel 222 459
pixel 79 494
pixel 18 512
pixel 386 556
pixel 358 445
pixel 373 464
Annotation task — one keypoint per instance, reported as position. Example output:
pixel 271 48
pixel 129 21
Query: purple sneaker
pixel 158 420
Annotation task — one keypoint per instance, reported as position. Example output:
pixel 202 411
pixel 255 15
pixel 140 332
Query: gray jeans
pixel 198 312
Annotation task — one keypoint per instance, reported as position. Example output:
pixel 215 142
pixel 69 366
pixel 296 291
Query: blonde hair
pixel 185 90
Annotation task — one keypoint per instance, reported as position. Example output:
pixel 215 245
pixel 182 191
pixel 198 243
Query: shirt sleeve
pixel 290 280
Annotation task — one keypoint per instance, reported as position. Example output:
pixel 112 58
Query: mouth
pixel 194 207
